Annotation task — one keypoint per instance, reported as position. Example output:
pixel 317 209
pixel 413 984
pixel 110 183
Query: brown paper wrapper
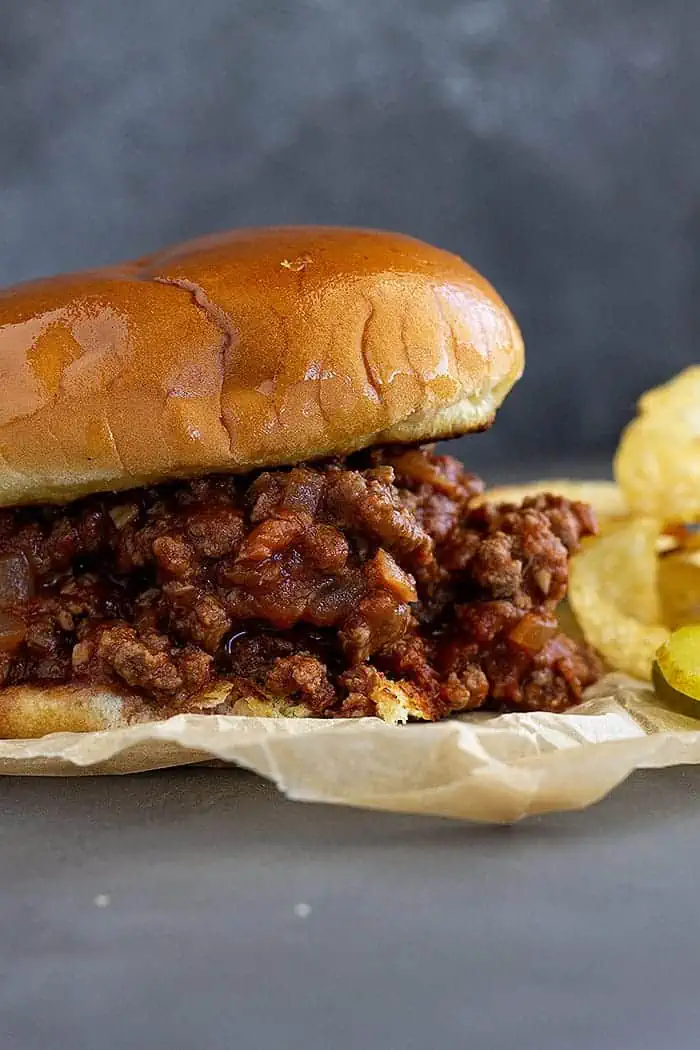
pixel 478 767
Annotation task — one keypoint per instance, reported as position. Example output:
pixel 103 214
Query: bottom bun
pixel 28 711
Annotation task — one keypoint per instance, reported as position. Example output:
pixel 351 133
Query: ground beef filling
pixel 305 583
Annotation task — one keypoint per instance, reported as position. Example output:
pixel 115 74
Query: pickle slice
pixel 671 699
pixel 677 670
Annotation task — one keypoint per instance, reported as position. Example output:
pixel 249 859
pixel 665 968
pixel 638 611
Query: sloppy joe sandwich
pixel 220 493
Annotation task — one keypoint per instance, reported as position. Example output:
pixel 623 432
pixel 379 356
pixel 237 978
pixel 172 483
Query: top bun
pixel 256 348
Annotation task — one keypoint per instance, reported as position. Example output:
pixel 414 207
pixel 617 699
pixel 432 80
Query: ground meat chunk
pixel 302 677
pixel 46 652
pixel 437 489
pixel 549 680
pixel 175 557
pixel 358 684
pixel 215 532
pixel 569 521
pixel 507 552
pixel 148 663
pixel 379 620
pixel 249 653
pixel 464 690
pixel 370 504
pixel 495 568
pixel 196 615
pixel 296 494
pixel 309 583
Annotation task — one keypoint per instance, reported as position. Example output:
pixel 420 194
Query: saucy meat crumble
pixel 304 583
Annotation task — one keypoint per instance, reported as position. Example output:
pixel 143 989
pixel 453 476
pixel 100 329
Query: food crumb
pixel 102 900
pixel 302 911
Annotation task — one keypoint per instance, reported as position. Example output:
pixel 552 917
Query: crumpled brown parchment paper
pixel 479 767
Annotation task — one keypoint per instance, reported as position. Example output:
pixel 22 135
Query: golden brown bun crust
pixel 260 347
pixel 30 711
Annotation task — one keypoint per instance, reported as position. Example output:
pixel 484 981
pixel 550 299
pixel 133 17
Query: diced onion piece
pixel 414 464
pixel 392 577
pixel 123 514
pixel 533 632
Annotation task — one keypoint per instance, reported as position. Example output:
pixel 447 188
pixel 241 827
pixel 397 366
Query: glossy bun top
pixel 260 347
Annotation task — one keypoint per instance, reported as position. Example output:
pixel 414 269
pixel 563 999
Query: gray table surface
pixel 566 931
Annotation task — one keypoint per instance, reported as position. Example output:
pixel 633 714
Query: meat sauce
pixel 303 583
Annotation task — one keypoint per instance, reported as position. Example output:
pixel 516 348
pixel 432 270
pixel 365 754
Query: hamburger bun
pixel 29 711
pixel 257 348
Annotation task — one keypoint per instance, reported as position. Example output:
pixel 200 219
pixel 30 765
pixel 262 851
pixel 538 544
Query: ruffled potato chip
pixel 614 595
pixel 657 464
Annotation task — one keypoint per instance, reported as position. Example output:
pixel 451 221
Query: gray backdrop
pixel 554 143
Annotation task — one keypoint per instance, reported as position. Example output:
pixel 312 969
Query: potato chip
pixel 605 497
pixel 681 387
pixel 614 596
pixel 679 588
pixel 657 464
